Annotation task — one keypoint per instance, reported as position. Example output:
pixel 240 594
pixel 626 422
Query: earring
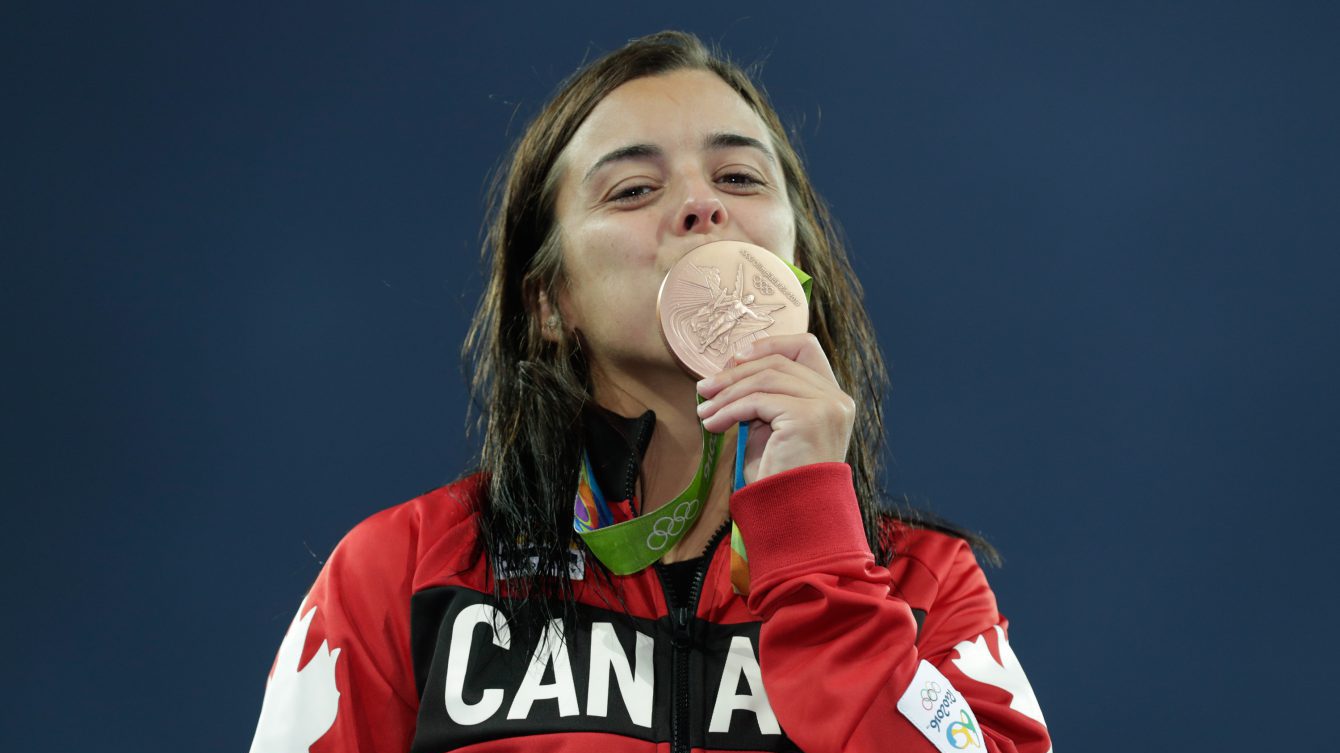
pixel 552 323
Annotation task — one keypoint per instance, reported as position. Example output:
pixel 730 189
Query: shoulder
pixel 446 508
pixel 357 615
pixel 437 526
pixel 934 551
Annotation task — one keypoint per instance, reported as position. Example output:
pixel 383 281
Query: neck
pixel 676 447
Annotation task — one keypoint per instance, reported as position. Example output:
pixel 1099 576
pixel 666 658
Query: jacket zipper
pixel 682 642
pixel 639 444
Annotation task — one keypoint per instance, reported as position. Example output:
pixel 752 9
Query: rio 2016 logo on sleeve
pixel 933 705
pixel 963 733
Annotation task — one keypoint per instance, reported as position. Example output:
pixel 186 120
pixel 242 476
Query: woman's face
pixel 662 165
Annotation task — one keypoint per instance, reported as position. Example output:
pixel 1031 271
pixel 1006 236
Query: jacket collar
pixel 615 444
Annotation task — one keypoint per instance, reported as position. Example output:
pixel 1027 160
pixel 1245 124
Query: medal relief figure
pixel 720 318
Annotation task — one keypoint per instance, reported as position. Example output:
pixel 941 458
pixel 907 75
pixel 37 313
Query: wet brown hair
pixel 529 391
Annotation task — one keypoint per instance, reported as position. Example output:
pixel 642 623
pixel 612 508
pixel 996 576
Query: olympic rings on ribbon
pixel 668 527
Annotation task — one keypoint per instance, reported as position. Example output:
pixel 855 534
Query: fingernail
pixel 744 350
pixel 704 384
pixel 704 407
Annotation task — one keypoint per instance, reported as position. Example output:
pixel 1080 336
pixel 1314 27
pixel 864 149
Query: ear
pixel 551 322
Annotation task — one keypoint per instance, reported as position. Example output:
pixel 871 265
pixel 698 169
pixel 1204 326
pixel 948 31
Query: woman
pixel 476 615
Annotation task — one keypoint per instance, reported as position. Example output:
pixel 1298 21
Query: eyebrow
pixel 713 142
pixel 631 152
pixel 731 140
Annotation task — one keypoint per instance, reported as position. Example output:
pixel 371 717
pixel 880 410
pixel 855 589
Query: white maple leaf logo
pixel 975 661
pixel 299 705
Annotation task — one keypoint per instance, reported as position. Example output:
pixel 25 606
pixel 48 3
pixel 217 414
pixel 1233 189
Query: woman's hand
pixel 785 387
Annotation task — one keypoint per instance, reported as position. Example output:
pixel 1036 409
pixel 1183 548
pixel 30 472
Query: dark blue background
pixel 240 251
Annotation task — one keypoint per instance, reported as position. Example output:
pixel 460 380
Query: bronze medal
pixel 724 295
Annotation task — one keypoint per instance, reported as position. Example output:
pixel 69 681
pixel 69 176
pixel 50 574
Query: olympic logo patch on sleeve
pixel 933 706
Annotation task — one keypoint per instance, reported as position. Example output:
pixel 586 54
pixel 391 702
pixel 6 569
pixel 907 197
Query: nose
pixel 700 215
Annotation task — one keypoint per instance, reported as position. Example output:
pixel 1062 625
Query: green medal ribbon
pixel 806 282
pixel 632 545
pixel 628 547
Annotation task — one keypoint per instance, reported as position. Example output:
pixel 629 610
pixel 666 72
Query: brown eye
pixel 632 193
pixel 740 179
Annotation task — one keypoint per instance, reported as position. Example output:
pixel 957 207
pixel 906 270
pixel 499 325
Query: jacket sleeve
pixel 844 664
pixel 343 680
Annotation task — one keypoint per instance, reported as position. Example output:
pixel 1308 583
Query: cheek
pixel 777 232
pixel 789 254
pixel 617 241
pixel 617 257
pixel 610 268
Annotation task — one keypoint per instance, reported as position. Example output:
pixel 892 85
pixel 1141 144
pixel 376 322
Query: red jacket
pixel 399 646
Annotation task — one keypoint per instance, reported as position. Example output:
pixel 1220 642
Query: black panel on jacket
pixel 616 445
pixel 470 669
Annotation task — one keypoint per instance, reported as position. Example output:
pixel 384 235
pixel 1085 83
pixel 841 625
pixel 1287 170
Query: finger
pixel 756 406
pixel 710 387
pixel 804 349
pixel 775 381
